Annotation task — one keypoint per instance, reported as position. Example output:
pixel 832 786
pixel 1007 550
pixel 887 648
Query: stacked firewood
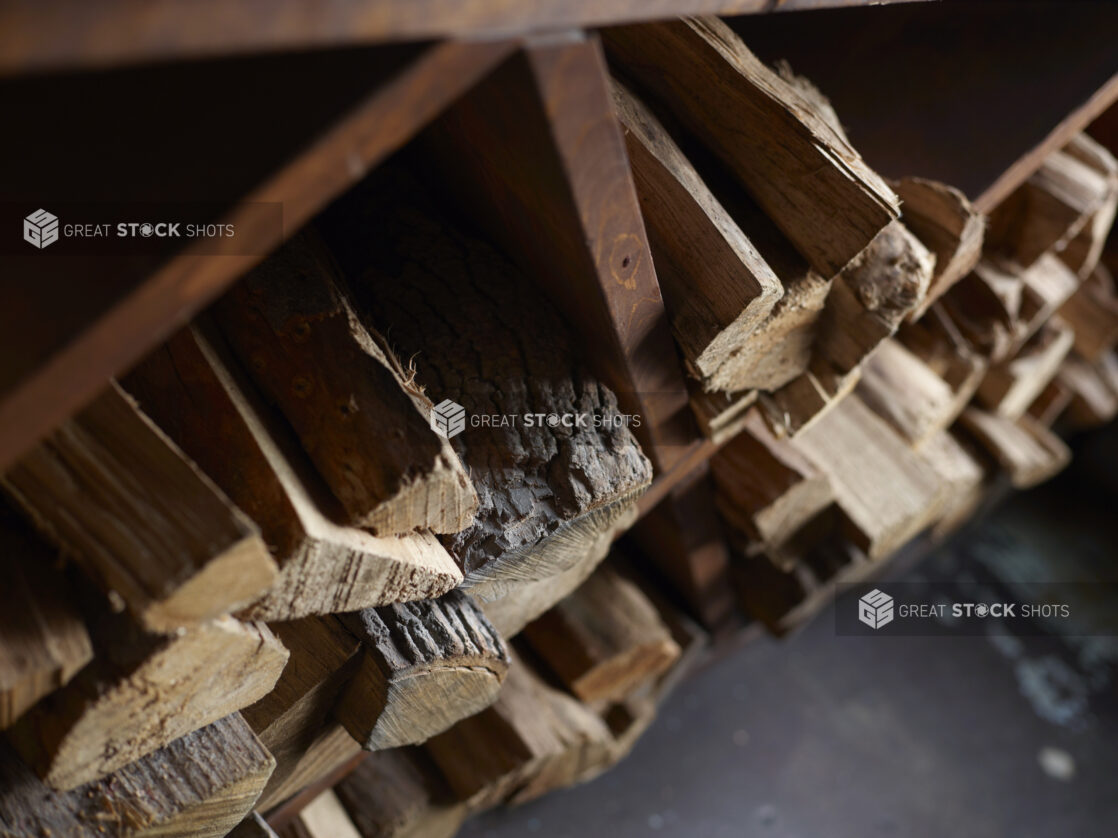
pixel 360 516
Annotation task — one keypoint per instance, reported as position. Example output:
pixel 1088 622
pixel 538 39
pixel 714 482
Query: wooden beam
pixel 544 125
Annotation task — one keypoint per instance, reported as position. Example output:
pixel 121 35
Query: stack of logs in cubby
pixel 261 561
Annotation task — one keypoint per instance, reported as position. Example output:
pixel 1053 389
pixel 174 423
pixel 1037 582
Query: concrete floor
pixel 859 737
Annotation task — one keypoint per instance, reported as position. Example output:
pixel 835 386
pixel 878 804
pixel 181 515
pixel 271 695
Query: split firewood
pixel 43 640
pixel 766 487
pixel 603 639
pixel 143 691
pixel 528 600
pixel 873 295
pixel 1093 388
pixel 254 826
pixel 534 739
pixel 985 306
pixel 1012 385
pixel 1028 451
pixel 1092 313
pixel 1053 400
pixel 939 344
pixel 1053 206
pixel 685 541
pixel 721 415
pixel 332 750
pixel 1048 284
pixel 885 492
pixel 717 288
pixel 425 665
pixel 550 454
pixel 288 720
pixel 198 395
pixel 1082 253
pixel 946 223
pixel 348 399
pixel 790 157
pixel 961 471
pixel 806 399
pixel 400 794
pixel 115 493
pixel 908 394
pixel 199 786
pixel 323 817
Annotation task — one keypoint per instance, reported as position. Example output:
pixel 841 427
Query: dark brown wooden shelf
pixel 112 32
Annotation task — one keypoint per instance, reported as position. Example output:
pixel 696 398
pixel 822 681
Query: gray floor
pixel 857 737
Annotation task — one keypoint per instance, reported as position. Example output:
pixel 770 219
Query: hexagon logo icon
pixel 448 419
pixel 40 228
pixel 875 609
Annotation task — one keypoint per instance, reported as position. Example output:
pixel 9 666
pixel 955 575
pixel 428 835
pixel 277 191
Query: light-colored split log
pixel 196 392
pixel 1029 452
pixel 114 492
pixel 1011 386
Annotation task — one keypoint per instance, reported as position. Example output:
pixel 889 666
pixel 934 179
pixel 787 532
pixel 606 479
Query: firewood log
pixel 347 398
pixel 199 786
pixel 115 493
pixel 1012 385
pixel 1025 449
pixel 43 639
pixel 199 396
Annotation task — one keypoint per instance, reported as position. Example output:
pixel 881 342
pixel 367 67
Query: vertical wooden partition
pixel 537 155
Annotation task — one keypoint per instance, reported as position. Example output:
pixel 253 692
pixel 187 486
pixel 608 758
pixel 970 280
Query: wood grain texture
pixel 766 487
pixel 1092 313
pixel 75 368
pixel 199 786
pixel 323 656
pixel 717 287
pixel 1012 385
pixel 43 639
pixel 534 739
pixel 425 665
pixel 115 493
pixel 323 817
pixel 1025 449
pixel 886 493
pixel 345 395
pixel 794 163
pixel 332 755
pixel 544 125
pixel 400 794
pixel 948 225
pixel 545 441
pixel 144 691
pixel 253 826
pixel 603 639
pixel 197 393
pixel 161 29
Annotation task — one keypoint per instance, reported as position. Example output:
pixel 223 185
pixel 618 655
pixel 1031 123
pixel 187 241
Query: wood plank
pixel 603 639
pixel 550 452
pixel 791 159
pixel 144 691
pixel 199 786
pixel 717 287
pixel 424 666
pixel 544 125
pixel 197 393
pixel 1065 76
pixel 93 346
pixel 120 497
pixel 345 394
pixel 43 640
pixel 126 31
